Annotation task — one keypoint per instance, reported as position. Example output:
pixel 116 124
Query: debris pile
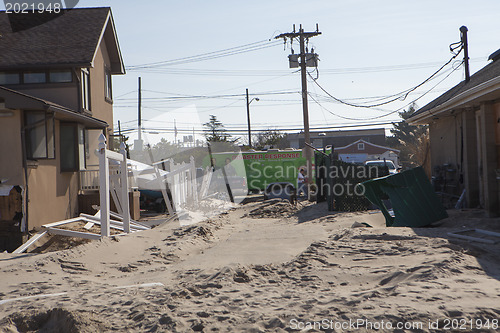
pixel 275 208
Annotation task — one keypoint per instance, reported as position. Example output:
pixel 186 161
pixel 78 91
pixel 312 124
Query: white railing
pixel 89 179
pixel 116 184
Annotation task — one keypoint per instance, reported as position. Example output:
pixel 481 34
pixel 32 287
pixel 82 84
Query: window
pixel 72 147
pixel 85 87
pixel 108 91
pixel 361 146
pixel 39 131
pixel 34 77
pixel 9 78
pixel 62 76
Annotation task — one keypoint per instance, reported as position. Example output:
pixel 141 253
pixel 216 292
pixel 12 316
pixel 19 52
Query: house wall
pixel 443 137
pixel 65 94
pixel 446 149
pixel 52 194
pixel 11 158
pixel 496 121
pixel 488 157
pixel 101 108
pixel 470 158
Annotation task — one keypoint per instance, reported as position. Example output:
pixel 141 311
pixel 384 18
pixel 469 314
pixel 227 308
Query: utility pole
pixel 465 45
pixel 120 132
pixel 303 37
pixel 139 110
pixel 175 132
pixel 248 119
pixel 138 143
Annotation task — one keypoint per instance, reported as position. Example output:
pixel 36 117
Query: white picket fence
pixel 117 185
pixel 182 183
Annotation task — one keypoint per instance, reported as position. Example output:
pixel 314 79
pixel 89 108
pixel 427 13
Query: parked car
pixel 389 163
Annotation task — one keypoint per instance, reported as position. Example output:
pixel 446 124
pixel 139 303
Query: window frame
pixel 48 137
pixel 53 71
pixel 79 144
pixel 108 84
pixel 48 80
pixel 85 90
pixel 361 146
pixel 45 75
pixel 18 74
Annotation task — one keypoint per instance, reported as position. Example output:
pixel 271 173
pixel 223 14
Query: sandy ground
pixel 262 267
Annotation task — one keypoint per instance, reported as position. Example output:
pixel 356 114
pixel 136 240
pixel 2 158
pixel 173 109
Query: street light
pixel 248 118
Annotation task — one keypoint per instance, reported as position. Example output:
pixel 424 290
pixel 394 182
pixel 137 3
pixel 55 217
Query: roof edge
pixel 110 21
pixel 42 104
pixel 371 144
pixel 462 98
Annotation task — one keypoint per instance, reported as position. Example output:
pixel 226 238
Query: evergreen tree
pixel 215 131
pixel 411 140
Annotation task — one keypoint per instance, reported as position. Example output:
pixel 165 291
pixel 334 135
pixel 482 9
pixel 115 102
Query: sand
pixel 261 267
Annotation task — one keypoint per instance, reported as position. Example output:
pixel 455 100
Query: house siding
pixel 443 138
pixel 65 94
pixel 469 143
pixel 11 166
pixel 59 188
pixel 101 108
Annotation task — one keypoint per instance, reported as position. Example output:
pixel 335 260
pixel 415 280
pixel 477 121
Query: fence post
pixel 194 185
pixel 329 180
pixel 124 187
pixel 104 186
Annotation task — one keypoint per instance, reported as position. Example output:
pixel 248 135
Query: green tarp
pixel 413 199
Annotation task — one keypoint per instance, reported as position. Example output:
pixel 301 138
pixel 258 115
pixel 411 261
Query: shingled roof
pixel 484 78
pixel 70 38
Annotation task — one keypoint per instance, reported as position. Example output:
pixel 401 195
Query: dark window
pixel 85 87
pixel 34 77
pixel 108 87
pixel 72 147
pixel 63 76
pixel 39 135
pixel 9 78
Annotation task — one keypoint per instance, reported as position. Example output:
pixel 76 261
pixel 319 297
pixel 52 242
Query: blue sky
pixel 367 48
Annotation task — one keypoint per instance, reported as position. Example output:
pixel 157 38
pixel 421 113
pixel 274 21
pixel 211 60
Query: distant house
pixel 464 128
pixel 361 151
pixel 55 99
pixel 339 138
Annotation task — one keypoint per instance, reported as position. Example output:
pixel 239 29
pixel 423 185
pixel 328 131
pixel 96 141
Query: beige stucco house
pixel 464 128
pixel 55 100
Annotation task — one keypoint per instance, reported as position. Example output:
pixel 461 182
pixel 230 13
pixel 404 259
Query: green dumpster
pixel 413 199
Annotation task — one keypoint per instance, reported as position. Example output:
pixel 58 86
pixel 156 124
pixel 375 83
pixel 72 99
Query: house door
pixel 479 132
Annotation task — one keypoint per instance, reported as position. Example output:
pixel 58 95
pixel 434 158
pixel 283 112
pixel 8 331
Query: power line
pixel 399 97
pixel 243 130
pixel 273 72
pixel 209 55
pixel 391 112
pixel 194 97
